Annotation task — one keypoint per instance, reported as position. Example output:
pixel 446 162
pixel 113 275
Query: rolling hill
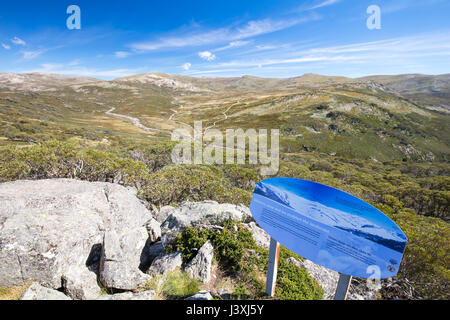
pixel 381 117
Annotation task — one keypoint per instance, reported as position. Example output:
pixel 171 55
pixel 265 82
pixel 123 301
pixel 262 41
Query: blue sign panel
pixel 329 227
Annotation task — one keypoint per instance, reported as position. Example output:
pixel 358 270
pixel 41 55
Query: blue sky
pixel 276 38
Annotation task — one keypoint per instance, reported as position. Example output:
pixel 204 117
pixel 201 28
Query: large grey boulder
pixel 165 263
pixel 38 292
pixel 116 269
pixel 200 266
pixel 198 214
pixel 51 231
pixel 80 283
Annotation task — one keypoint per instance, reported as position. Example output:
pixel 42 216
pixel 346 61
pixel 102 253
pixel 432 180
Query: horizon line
pixel 225 77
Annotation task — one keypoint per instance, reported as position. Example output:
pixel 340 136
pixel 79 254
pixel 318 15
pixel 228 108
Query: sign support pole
pixel 274 256
pixel 342 287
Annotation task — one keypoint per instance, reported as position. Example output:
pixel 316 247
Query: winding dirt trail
pixel 173 114
pixel 224 114
pixel 136 122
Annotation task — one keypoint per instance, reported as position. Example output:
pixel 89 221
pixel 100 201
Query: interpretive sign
pixel 329 227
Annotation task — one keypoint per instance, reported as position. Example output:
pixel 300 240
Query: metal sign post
pixel 342 287
pixel 274 256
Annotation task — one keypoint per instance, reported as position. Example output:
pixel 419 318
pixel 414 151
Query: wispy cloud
pixel 19 42
pixel 256 28
pixel 231 45
pixel 122 54
pixel 28 55
pixel 6 47
pixel 316 4
pixel 324 4
pixel 222 35
pixel 304 59
pixel 389 51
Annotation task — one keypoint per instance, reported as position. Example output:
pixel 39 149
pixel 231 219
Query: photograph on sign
pixel 328 226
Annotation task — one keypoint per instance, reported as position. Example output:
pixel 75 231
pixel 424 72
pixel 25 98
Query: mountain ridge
pixel 372 118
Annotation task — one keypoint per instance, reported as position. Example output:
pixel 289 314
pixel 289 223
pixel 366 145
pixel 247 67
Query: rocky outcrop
pixel 164 213
pixel 200 266
pixel 199 214
pixel 153 230
pixel 165 263
pixel 116 271
pixel 52 231
pixel 74 237
pixel 152 251
pixel 38 292
pixel 80 284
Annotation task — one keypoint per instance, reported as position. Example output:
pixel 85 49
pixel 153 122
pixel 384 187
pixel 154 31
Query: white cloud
pixel 259 27
pixel 28 55
pixel 122 54
pixel 316 4
pixel 325 4
pixel 18 41
pixel 305 59
pixel 207 55
pixel 389 51
pixel 233 44
pixel 51 66
pixel 222 35
pixel 6 47
pixel 185 41
pixel 186 66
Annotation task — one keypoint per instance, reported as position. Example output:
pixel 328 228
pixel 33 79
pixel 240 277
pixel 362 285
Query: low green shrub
pixel 426 260
pixel 243 178
pixel 174 184
pixel 294 283
pixel 67 159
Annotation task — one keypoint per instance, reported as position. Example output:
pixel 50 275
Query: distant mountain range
pixel 407 84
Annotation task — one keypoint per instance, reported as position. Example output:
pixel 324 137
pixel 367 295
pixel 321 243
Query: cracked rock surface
pixel 52 232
